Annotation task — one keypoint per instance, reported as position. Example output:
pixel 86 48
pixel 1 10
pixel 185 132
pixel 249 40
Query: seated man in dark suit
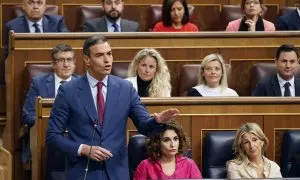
pixel 111 21
pixel 290 21
pixel 283 83
pixel 46 86
pixel 35 21
pixel 295 168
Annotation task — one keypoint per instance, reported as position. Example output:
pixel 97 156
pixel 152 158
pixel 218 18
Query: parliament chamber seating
pixel 233 12
pixel 120 69
pixel 136 152
pixel 290 148
pixel 155 15
pixel 260 71
pixel 188 77
pixel 50 10
pixel 217 150
pixel 85 13
pixel 285 10
pixel 17 11
pixel 31 70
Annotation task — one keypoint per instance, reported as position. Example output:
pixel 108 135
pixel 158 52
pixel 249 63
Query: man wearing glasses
pixel 46 86
pixel 111 21
pixel 34 21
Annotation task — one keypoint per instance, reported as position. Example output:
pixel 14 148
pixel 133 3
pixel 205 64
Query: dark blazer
pixel 290 21
pixel 100 25
pixel 270 87
pixel 74 109
pixel 295 168
pixel 43 86
pixel 51 23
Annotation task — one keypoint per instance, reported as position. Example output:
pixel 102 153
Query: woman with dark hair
pixel 165 152
pixel 175 17
pixel 252 20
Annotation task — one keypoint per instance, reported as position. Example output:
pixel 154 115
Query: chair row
pixel 188 74
pixel 217 150
pixel 220 15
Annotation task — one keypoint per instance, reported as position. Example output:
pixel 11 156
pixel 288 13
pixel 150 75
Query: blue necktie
pixel 287 91
pixel 37 29
pixel 116 27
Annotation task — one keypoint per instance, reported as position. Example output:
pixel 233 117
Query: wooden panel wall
pixel 199 116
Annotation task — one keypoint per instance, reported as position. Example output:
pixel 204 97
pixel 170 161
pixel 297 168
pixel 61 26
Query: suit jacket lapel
pixel 112 96
pixel 50 85
pixel 24 24
pixel 123 26
pixel 86 98
pixel 276 86
pixel 296 19
pixel 46 24
pixel 297 87
pixel 103 25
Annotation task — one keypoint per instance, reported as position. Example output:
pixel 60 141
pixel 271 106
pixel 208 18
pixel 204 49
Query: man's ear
pixel 86 60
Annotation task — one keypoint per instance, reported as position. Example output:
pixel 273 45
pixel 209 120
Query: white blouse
pixel 218 91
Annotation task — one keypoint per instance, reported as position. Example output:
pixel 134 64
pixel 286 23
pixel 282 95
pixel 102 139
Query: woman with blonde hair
pixel 250 146
pixel 212 78
pixel 149 74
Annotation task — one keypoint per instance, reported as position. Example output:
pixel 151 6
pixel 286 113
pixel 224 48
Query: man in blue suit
pixel 290 21
pixel 95 109
pixel 46 86
pixel 284 82
pixel 34 21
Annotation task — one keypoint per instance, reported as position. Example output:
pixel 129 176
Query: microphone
pixel 88 161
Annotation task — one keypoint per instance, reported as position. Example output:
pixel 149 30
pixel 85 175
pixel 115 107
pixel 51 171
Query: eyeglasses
pixel 110 2
pixel 252 2
pixel 37 3
pixel 63 60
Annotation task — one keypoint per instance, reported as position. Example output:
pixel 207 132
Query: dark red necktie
pixel 100 103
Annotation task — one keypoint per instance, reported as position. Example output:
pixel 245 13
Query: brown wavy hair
pixel 153 144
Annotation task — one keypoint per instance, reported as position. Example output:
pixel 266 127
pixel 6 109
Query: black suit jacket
pixel 270 87
pixel 51 23
pixel 100 25
pixel 290 21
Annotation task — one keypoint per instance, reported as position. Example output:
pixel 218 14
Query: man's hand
pixel 97 153
pixel 166 115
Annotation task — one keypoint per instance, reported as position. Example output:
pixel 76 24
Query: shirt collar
pixel 282 81
pixel 265 160
pixel 298 9
pixel 93 82
pixel 110 23
pixel 58 79
pixel 39 22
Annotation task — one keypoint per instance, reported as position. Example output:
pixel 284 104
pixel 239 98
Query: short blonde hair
pixel 237 145
pixel 161 82
pixel 207 59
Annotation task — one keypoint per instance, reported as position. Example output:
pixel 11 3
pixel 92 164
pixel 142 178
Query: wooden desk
pixel 197 116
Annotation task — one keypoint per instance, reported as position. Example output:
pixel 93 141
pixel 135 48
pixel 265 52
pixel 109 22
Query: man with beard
pixel 111 21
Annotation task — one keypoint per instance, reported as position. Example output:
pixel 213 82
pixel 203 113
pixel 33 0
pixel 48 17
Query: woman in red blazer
pixel 175 17
pixel 252 21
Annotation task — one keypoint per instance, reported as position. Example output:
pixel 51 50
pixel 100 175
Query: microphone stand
pixel 88 161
